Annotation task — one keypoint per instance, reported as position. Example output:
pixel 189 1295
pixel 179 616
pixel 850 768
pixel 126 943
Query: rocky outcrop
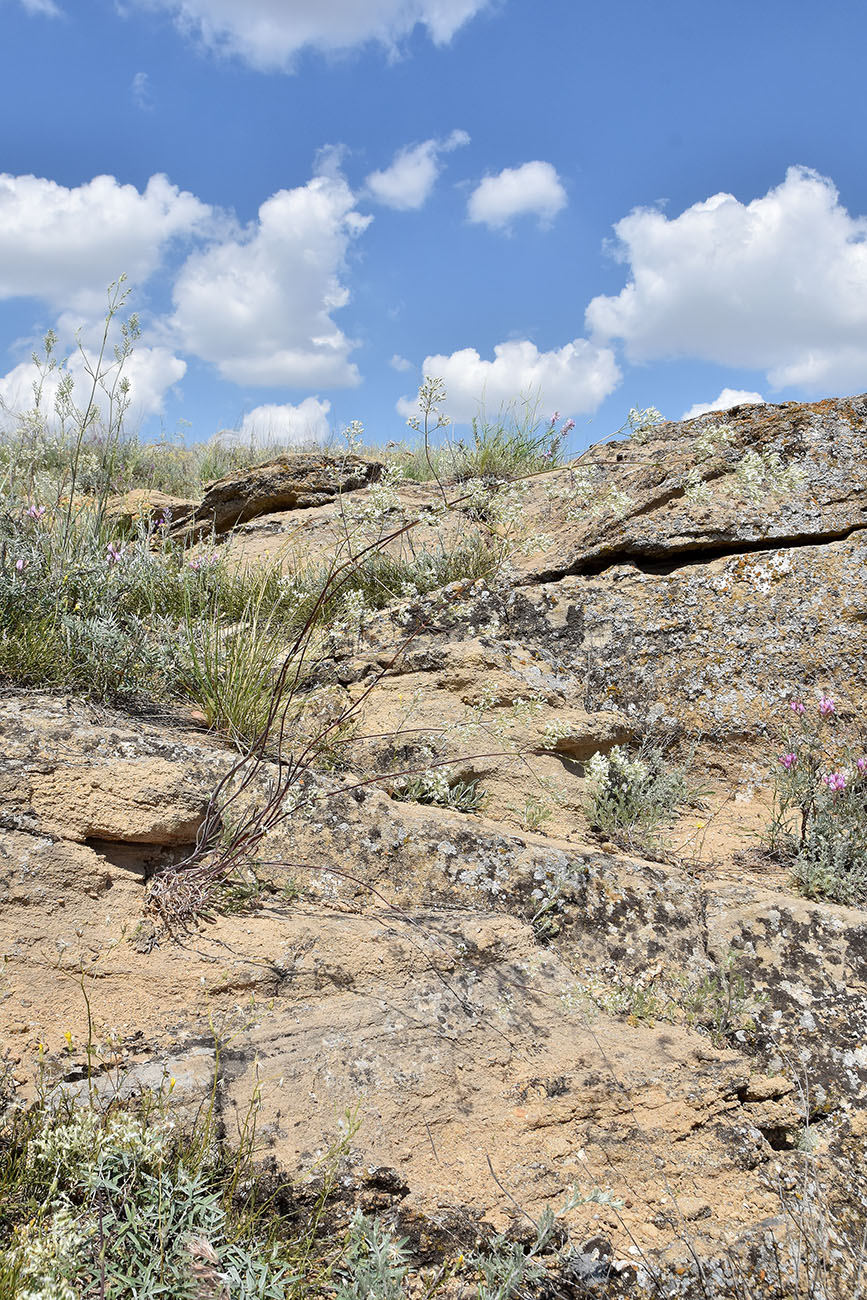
pixel 292 482
pixel 147 505
pixel 754 479
pixel 402 961
pixel 675 1032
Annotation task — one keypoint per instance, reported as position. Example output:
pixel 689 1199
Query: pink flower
pixel 862 765
pixel 555 417
pixel 826 706
pixel 568 427
pixel 835 781
pixel 113 553
pixel 35 512
pixel 20 565
pixel 797 707
pixel 788 761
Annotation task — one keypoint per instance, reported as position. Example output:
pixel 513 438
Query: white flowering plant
pixel 631 795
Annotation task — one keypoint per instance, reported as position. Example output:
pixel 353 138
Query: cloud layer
pixel 267 34
pixel 43 8
pixel 407 182
pixel 575 378
pixel 533 189
pixel 259 305
pixel 66 245
pixel 778 284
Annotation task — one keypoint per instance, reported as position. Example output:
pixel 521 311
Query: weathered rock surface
pixel 513 1012
pixel 146 504
pixel 291 482
pixel 823 442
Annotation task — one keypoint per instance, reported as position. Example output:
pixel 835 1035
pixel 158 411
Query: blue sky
pixel 318 201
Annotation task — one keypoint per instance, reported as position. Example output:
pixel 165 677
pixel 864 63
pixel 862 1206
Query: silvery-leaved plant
pixel 820 804
pixel 629 796
pixel 642 421
pixel 759 475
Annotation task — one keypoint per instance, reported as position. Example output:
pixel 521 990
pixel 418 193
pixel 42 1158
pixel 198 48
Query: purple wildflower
pixel 835 781
pixel 113 553
pixel 20 565
pixel 568 427
pixel 862 765
pixel 797 706
pixel 826 706
pixel 788 761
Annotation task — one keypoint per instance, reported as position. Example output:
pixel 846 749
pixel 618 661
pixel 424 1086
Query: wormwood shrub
pixel 819 822
pixel 434 787
pixel 121 1204
pixel 631 796
pixel 374 1264
pixel 82 609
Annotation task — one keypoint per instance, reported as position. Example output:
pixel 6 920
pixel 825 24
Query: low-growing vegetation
pixel 117 1199
pixel 819 824
pixel 633 796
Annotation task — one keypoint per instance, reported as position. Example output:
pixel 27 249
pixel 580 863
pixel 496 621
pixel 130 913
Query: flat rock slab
pixel 293 482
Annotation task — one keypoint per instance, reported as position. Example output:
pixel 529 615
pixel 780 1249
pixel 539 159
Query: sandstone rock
pixel 652 520
pixel 548 1007
pixel 296 481
pixel 147 503
pixel 129 784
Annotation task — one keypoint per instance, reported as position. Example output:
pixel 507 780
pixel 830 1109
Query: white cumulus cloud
pixel 533 189
pixel 575 378
pixel 268 33
pixel 284 423
pixel 410 177
pixel 66 245
pixel 778 284
pixel 259 304
pixel 728 398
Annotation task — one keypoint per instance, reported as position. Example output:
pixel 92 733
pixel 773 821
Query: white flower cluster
pixel 87 1140
pixel 353 436
pixel 381 497
pixel 601 768
pixel 613 501
pixel 710 439
pixel 554 732
pixel 696 488
pixel 431 393
pixel 429 786
pixel 45 1257
pixel 354 612
pixel 85 1150
pixel 641 422
pixel 758 476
